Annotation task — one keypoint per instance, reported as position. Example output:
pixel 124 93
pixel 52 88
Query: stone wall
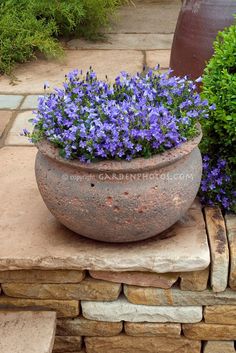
pixel 138 311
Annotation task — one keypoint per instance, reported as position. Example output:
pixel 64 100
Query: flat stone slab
pixel 88 289
pixel 175 296
pixel 220 314
pixel 209 332
pixel 149 329
pixel 31 238
pixel 122 310
pixel 129 344
pixel 194 281
pixel 40 276
pixel 158 57
pixel 27 332
pixel 145 279
pixel 219 347
pixel 21 122
pixel 230 220
pixel 161 15
pixel 67 343
pixel 219 248
pixel 33 75
pixel 63 308
pixel 83 327
pixel 30 102
pixel 5 116
pixel 127 41
pixel 10 101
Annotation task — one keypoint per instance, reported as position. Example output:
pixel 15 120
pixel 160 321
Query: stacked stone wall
pixel 138 311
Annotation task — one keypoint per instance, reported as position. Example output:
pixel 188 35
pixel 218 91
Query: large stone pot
pixel 198 23
pixel 120 201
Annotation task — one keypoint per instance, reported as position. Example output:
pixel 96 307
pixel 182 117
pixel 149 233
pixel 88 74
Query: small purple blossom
pixel 199 79
pixel 25 132
pixel 136 116
pixel 46 85
pixel 215 187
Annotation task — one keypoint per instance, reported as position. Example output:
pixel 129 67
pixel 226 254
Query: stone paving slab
pixel 46 244
pixel 30 102
pixel 27 332
pixel 155 57
pixel 10 101
pixel 5 116
pixel 34 74
pixel 161 15
pixel 14 136
pixel 127 41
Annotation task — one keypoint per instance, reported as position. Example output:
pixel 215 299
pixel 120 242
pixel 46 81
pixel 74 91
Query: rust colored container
pixel 120 201
pixel 198 23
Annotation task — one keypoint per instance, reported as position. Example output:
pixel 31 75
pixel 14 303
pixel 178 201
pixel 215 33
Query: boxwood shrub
pixel 219 142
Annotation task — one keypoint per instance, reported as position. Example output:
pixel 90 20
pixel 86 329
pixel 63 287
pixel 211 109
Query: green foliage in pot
pixel 27 26
pixel 219 87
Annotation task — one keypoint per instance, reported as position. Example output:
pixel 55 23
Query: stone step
pixel 183 249
pixel 27 331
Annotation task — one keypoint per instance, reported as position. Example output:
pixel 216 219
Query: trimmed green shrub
pixel 30 25
pixel 219 87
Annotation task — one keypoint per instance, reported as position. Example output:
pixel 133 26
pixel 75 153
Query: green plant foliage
pixel 219 87
pixel 30 25
pixel 96 16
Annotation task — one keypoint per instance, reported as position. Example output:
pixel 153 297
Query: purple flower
pixel 137 116
pixel 46 85
pixel 215 185
pixel 25 132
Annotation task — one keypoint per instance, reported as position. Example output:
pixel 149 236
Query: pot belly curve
pixel 119 207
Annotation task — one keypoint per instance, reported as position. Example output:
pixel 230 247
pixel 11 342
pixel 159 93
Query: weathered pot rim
pixel 136 165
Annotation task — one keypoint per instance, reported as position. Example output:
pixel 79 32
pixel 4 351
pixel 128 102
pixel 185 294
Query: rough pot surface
pixel 120 201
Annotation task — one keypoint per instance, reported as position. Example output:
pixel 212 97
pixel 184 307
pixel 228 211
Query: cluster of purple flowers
pixel 137 116
pixel 216 186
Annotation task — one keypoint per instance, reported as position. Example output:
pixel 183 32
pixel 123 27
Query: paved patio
pixel 186 277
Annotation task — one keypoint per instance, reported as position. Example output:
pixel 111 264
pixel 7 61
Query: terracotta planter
pixel 198 23
pixel 119 201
